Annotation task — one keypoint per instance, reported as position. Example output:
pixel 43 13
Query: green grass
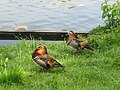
pixel 85 70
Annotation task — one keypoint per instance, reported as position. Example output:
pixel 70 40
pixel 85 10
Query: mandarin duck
pixel 41 58
pixel 73 40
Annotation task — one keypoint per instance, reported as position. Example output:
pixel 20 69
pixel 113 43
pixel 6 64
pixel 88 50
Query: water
pixel 76 15
pixel 8 42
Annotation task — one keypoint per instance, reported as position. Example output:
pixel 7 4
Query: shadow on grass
pixel 86 53
pixel 52 70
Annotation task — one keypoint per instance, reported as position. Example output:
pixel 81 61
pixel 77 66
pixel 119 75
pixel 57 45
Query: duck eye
pixel 38 46
pixel 67 35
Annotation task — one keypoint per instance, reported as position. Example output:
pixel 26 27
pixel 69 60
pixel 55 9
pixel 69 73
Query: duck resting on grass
pixel 73 40
pixel 41 58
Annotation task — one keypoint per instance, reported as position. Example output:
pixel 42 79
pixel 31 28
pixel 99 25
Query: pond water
pixel 76 15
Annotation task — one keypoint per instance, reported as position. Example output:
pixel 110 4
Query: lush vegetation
pixel 111 13
pixel 85 70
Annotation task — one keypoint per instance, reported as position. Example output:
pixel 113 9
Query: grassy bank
pixel 86 70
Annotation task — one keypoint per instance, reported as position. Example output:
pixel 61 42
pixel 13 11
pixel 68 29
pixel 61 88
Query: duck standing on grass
pixel 73 41
pixel 41 57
